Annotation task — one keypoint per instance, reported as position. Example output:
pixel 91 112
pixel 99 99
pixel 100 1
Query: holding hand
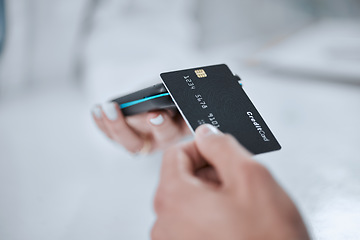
pixel 142 133
pixel 212 189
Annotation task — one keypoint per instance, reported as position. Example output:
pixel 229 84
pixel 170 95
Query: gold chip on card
pixel 200 73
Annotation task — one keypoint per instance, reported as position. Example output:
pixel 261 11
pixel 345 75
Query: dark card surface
pixel 213 95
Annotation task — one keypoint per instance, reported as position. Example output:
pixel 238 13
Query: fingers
pixel 175 163
pixel 213 157
pixel 163 127
pixel 222 151
pixel 183 163
pixel 150 131
pixel 112 122
pixel 97 116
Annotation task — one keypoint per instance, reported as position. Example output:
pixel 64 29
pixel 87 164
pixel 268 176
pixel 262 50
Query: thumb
pixel 221 151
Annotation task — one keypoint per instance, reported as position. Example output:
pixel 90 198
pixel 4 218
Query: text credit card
pixel 213 95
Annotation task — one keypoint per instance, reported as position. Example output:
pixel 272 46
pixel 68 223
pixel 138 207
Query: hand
pixel 145 132
pixel 212 189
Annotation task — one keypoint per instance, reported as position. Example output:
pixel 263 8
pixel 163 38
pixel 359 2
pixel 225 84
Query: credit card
pixel 212 95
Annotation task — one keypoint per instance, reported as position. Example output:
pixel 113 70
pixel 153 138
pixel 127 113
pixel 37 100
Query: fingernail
pixel 207 130
pixel 109 109
pixel 157 120
pixel 96 111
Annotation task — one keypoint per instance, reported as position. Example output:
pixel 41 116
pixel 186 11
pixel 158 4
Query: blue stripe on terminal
pixel 129 104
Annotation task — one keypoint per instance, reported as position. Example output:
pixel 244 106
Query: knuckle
pixel 247 167
pixel 261 171
pixel 252 171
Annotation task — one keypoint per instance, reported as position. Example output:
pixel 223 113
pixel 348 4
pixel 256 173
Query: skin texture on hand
pixel 157 130
pixel 211 189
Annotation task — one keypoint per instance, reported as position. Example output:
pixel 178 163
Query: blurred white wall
pixel 40 44
pixel 227 22
pixel 13 62
pixel 53 41
pixel 131 42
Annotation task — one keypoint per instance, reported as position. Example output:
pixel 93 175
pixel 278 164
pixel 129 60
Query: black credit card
pixel 213 95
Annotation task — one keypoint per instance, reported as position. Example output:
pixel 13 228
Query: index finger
pixel 222 151
pixel 180 163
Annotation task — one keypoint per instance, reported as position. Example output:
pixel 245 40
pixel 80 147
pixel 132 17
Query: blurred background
pixel 60 178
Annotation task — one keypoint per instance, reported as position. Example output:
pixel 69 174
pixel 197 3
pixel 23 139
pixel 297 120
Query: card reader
pixel 148 99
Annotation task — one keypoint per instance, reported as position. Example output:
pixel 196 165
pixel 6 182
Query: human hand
pixel 142 133
pixel 212 189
